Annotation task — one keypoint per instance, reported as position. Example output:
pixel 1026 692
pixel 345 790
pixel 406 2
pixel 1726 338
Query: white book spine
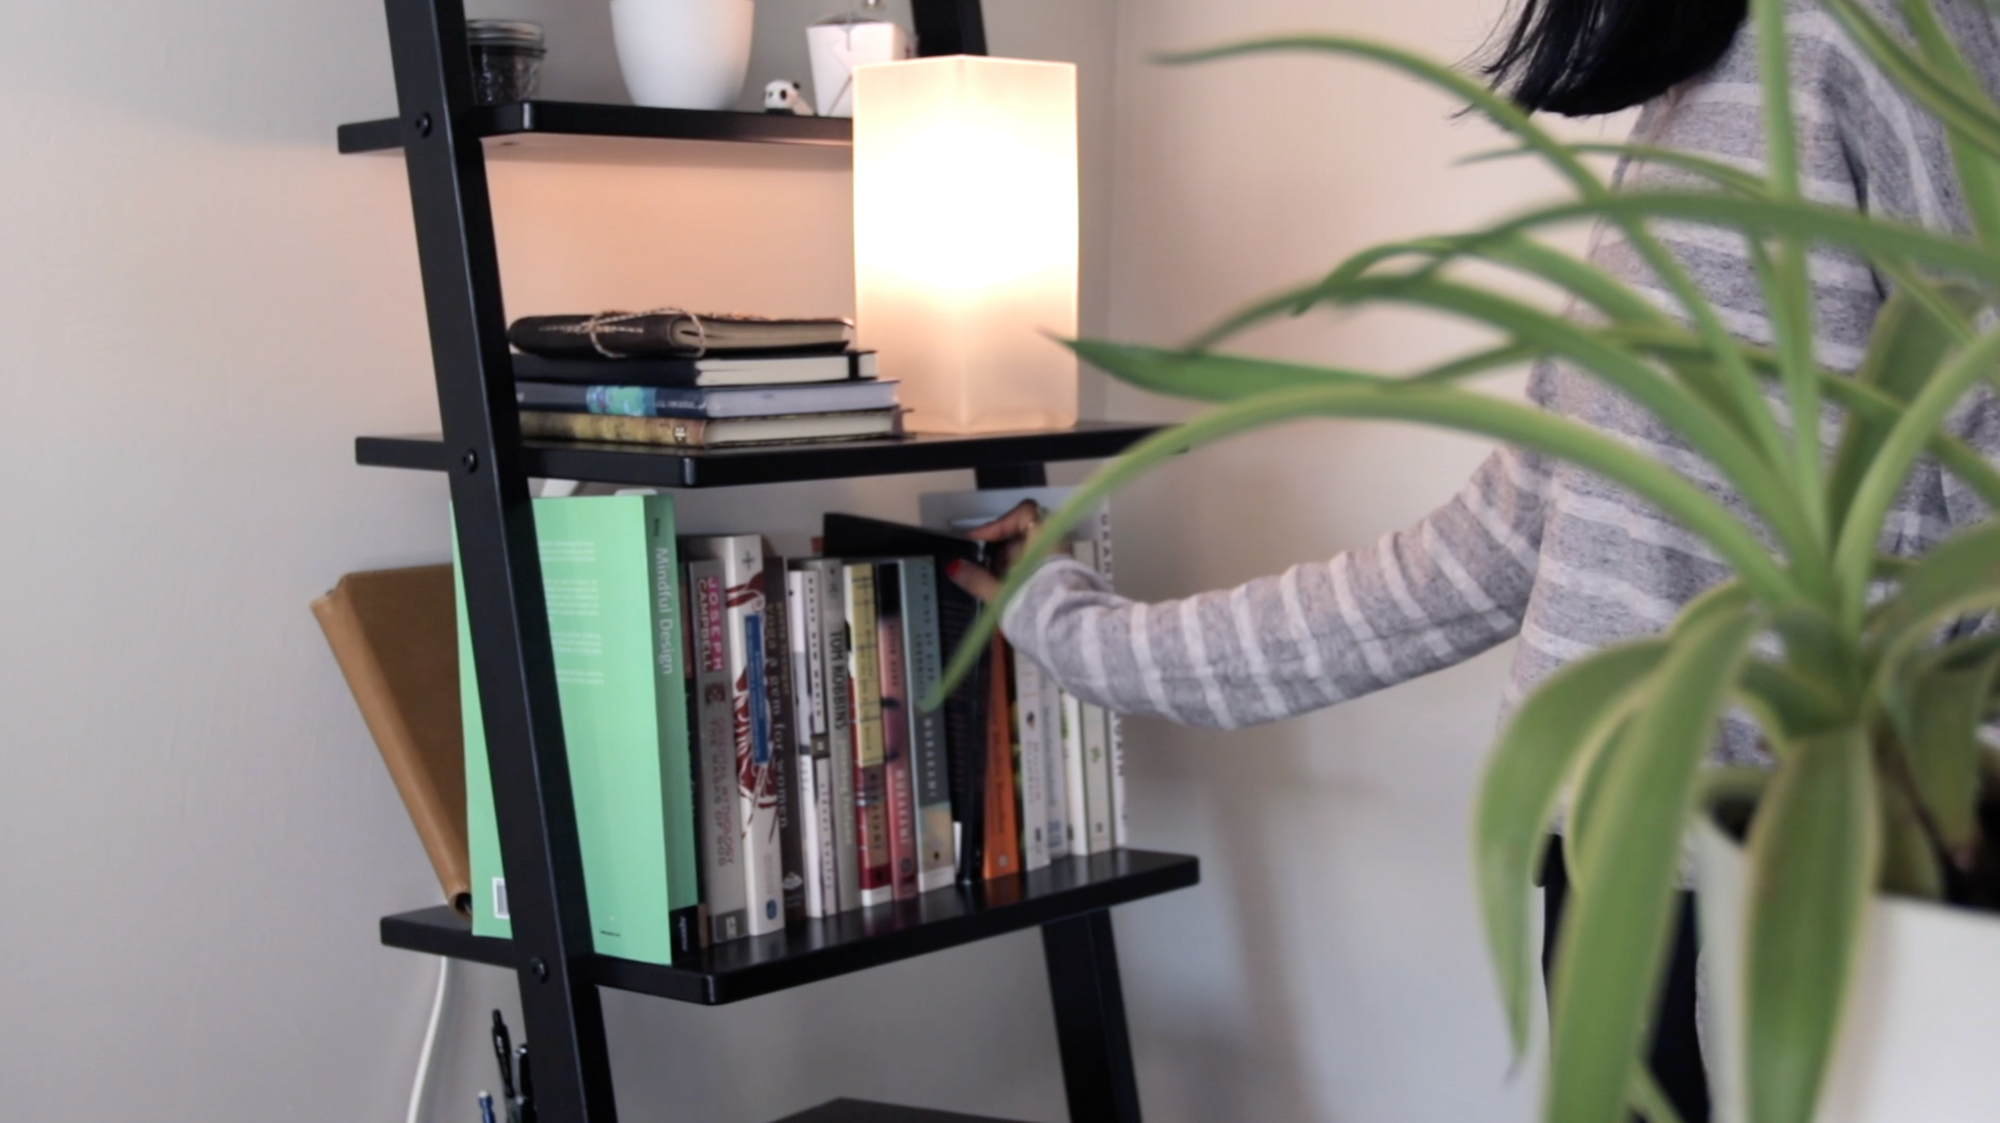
pixel 1096 835
pixel 839 731
pixel 742 558
pixel 1033 769
pixel 1056 794
pixel 719 801
pixel 1114 726
pixel 1075 782
pixel 802 724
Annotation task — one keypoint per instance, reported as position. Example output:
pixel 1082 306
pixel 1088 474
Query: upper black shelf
pixel 854 941
pixel 647 466
pixel 575 130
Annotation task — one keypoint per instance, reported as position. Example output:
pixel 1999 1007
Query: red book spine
pixel 871 785
pixel 904 856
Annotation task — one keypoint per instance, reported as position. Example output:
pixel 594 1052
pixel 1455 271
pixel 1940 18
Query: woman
pixel 1533 548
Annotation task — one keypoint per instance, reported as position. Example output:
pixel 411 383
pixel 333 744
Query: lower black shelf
pixel 645 466
pixel 854 941
pixel 857 1111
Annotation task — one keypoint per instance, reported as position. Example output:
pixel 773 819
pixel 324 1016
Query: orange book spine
pixel 1003 831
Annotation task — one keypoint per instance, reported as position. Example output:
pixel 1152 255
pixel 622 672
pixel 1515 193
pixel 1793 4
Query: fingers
pixel 974 580
pixel 1017 523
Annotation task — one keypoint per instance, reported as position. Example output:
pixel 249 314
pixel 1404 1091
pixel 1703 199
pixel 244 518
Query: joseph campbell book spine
pixel 871 782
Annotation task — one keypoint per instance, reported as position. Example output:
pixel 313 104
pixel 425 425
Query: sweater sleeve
pixel 1434 594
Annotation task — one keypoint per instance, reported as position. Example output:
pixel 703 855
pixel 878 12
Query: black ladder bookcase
pixel 446 140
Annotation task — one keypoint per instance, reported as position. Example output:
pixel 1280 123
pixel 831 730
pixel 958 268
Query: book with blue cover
pixel 721 403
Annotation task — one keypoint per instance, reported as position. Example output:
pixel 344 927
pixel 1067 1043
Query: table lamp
pixel 965 238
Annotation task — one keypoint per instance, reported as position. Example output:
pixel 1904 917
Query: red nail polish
pixel 954 569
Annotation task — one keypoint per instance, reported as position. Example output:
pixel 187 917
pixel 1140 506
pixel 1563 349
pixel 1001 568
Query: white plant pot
pixel 1922 1029
pixel 684 54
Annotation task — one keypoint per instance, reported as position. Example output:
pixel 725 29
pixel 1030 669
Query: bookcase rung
pixel 641 466
pixel 854 941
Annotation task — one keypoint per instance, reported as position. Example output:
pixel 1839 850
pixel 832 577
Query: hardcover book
pixel 394 634
pixel 786 760
pixel 745 369
pixel 837 690
pixel 1031 767
pixel 694 432
pixel 725 885
pixel 822 881
pixel 929 764
pixel 871 781
pixel 719 404
pixel 742 558
pixel 1003 835
pixel 1099 809
pixel 673 334
pixel 610 578
pixel 904 858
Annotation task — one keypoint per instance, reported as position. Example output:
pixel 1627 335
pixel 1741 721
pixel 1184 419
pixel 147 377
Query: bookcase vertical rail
pixel 1091 1034
pixel 503 585
pixel 949 27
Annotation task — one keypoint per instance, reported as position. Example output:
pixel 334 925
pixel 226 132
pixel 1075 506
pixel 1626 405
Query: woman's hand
pixel 1011 531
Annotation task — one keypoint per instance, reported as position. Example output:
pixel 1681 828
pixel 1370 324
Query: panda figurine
pixel 784 96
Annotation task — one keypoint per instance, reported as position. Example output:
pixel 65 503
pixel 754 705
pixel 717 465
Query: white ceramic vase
pixel 684 54
pixel 1922 1023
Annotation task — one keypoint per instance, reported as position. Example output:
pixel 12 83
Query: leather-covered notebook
pixel 394 634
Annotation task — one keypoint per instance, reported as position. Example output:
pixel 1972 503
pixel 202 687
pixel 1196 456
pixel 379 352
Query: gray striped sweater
pixel 1533 547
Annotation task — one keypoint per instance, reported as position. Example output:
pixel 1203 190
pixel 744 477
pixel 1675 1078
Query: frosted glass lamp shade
pixel 965 238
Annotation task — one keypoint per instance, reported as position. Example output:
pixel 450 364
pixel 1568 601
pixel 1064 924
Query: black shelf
pixel 576 130
pixel 644 466
pixel 857 1111
pixel 855 941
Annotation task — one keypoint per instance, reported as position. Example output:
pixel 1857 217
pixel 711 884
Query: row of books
pixel 745 745
pixel 690 381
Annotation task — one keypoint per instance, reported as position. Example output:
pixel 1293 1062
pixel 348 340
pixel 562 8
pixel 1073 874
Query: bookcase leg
pixel 1096 1049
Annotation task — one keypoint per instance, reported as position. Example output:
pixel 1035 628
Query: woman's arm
pixel 1435 594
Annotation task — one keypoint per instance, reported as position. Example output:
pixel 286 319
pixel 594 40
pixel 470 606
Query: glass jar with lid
pixel 506 59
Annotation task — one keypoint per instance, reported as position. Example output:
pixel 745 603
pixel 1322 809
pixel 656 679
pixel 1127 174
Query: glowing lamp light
pixel 965 238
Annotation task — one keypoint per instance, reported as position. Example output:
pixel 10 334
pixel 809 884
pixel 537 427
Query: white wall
pixel 1329 968
pixel 202 305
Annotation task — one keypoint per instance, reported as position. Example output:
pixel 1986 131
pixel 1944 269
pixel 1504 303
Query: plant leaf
pixel 1615 938
pixel 1960 575
pixel 1647 1098
pixel 1553 728
pixel 1963 109
pixel 1937 715
pixel 1910 865
pixel 1905 349
pixel 1814 849
pixel 1889 468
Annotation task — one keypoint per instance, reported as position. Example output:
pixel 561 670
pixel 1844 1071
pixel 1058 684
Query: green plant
pixel 1871 718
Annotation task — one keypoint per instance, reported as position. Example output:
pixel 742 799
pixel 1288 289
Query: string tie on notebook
pixel 625 323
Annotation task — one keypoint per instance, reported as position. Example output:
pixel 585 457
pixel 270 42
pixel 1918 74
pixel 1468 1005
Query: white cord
pixel 421 1084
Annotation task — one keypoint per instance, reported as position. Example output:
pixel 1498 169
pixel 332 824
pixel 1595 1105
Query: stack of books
pixel 681 380
pixel 745 744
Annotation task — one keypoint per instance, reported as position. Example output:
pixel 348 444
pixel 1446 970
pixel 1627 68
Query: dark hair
pixel 1583 57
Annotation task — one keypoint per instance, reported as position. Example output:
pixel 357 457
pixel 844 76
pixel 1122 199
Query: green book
pixel 611 576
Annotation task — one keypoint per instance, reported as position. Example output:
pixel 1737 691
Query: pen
pixel 485 1108
pixel 503 1051
pixel 527 1087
